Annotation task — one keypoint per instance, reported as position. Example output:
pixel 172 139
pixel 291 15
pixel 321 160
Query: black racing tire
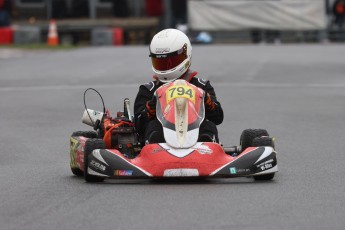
pixel 265 177
pixel 90 145
pixel 77 171
pixel 264 141
pixel 87 134
pixel 248 135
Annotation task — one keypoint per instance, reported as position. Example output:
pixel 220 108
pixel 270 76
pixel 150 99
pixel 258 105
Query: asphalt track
pixel 297 92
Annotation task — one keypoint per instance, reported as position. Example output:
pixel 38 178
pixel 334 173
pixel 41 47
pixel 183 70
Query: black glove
pixel 151 107
pixel 209 104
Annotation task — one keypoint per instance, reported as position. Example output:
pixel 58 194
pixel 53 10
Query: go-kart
pixel 114 152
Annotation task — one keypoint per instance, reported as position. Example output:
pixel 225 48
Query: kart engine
pixel 125 139
pixel 118 133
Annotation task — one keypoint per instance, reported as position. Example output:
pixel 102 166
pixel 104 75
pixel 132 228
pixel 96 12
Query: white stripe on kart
pixel 91 172
pixel 271 170
pixel 266 153
pixel 148 174
pixel 98 156
pixel 217 170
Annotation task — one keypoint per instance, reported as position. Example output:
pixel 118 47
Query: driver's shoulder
pixel 150 86
pixel 199 82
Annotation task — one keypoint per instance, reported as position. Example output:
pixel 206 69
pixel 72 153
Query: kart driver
pixel 171 53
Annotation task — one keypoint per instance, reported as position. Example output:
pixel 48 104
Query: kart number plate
pixel 181 91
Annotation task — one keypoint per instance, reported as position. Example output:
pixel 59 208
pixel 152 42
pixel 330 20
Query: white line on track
pixel 10 53
pixel 256 69
pixel 218 85
pixel 64 87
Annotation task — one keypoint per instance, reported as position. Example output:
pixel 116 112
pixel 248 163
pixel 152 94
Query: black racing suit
pixel 145 126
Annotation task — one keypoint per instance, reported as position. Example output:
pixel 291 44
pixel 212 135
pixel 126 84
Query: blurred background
pixel 293 85
pixel 126 22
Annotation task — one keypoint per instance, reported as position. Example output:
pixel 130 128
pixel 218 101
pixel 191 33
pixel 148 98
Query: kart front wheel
pixel 248 135
pixel 90 145
pixel 264 141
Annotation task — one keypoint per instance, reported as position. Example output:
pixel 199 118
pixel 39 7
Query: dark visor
pixel 163 62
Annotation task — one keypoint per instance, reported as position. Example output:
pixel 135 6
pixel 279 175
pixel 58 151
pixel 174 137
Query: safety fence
pixel 116 36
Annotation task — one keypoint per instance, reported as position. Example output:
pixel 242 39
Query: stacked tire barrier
pixel 20 35
pixel 107 37
pixel 27 35
pixel 23 35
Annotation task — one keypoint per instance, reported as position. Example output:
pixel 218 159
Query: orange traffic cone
pixel 53 38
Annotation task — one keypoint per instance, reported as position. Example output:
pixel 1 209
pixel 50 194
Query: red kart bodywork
pixel 155 161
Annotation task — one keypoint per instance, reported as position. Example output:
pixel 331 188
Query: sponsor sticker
pixel 73 152
pixel 243 170
pixel 96 113
pixel 204 149
pixel 181 172
pixel 120 172
pixel 157 150
pixel 265 165
pixel 233 170
pixel 98 165
pixel 162 50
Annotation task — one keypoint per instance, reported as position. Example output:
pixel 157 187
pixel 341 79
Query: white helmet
pixel 171 54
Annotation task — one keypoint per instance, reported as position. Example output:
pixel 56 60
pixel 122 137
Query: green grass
pixel 40 47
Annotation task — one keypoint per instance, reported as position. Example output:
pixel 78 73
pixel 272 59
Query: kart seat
pixel 205 138
pixel 156 137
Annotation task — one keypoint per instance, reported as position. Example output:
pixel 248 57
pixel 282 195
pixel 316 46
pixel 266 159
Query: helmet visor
pixel 167 61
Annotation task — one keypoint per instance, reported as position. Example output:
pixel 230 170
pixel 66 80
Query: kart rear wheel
pixel 87 134
pixel 77 171
pixel 264 141
pixel 90 145
pixel 248 135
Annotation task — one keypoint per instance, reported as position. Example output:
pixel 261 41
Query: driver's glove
pixel 209 103
pixel 151 107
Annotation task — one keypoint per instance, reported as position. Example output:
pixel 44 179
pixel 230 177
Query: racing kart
pixel 113 150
